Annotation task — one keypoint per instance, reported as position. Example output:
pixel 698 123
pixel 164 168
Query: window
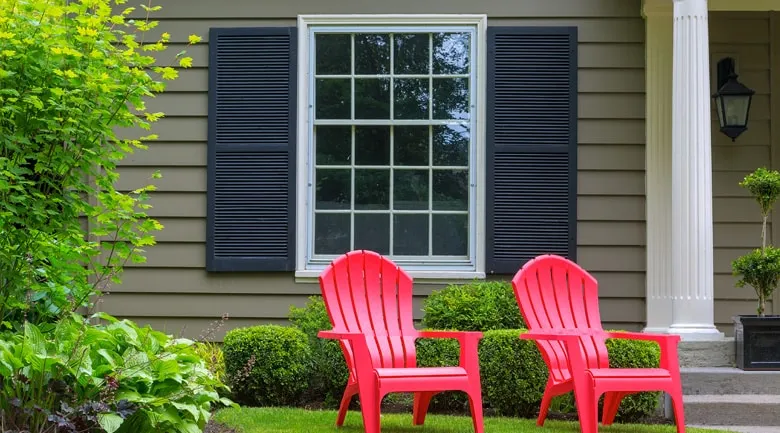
pixel 391 144
pixel 443 143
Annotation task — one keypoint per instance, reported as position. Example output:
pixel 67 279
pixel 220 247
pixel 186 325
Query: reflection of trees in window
pixel 392 142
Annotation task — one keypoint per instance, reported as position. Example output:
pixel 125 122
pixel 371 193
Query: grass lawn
pixel 278 420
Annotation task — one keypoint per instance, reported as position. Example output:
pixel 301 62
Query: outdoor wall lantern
pixel 732 100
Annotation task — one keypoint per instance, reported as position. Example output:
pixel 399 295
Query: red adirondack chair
pixel 559 301
pixel 369 302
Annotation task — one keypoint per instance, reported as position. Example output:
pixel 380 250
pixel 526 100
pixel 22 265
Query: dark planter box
pixel 758 342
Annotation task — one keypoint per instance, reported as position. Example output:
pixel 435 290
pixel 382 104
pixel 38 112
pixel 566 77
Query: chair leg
pixel 370 401
pixel 475 405
pixel 679 411
pixel 611 405
pixel 421 402
pixel 587 406
pixel 545 406
pixel 349 392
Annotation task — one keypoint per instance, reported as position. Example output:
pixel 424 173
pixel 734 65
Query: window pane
pixel 372 54
pixel 410 189
pixel 450 189
pixel 451 53
pixel 451 145
pixel 410 145
pixel 331 233
pixel 451 98
pixel 372 189
pixel 372 145
pixel 333 54
pixel 411 98
pixel 450 235
pixel 372 98
pixel 412 53
pixel 333 98
pixel 410 235
pixel 332 190
pixel 333 145
pixel 372 232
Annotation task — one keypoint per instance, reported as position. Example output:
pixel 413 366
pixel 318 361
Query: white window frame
pixel 306 272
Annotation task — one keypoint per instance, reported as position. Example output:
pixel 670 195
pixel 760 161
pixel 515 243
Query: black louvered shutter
pixel 251 160
pixel 531 145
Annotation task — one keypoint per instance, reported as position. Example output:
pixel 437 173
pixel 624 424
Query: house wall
pixel 746 37
pixel 172 291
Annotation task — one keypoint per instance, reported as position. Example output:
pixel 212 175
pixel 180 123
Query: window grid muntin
pixel 418 262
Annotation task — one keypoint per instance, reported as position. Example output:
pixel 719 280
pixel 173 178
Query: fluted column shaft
pixel 692 237
pixel 658 166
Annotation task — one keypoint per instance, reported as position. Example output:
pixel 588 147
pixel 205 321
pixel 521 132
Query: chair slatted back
pixel 368 293
pixel 554 292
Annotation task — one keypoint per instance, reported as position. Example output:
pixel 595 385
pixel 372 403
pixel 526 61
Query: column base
pixel 656 330
pixel 696 332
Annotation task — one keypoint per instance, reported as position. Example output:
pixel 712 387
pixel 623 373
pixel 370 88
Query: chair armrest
pixel 469 344
pixel 460 335
pixel 557 334
pixel 341 335
pixel 658 338
pixel 666 342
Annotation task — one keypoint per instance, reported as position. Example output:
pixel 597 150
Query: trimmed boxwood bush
pixel 442 352
pixel 267 365
pixel 624 353
pixel 478 306
pixel 513 373
pixel 330 374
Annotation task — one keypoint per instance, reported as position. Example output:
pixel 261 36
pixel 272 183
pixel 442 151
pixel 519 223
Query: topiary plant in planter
pixel 757 336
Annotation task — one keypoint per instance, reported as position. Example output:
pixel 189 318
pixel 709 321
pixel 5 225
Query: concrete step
pixel 732 409
pixel 725 380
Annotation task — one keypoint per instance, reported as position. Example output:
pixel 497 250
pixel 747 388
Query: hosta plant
pixel 113 377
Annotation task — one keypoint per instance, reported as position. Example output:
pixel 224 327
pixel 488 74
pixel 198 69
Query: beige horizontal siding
pixel 172 291
pixel 738 222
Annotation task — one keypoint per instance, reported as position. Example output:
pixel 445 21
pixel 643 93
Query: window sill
pixel 429 277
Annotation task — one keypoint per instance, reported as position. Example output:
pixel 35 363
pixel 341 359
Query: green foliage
pixel 764 186
pixel 72 74
pixel 761 267
pixel 330 374
pixel 513 373
pixel 212 355
pixel 441 352
pixel 477 306
pixel 268 365
pixel 626 353
pixel 114 377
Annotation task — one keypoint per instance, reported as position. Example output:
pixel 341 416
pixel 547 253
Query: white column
pixel 658 164
pixel 692 249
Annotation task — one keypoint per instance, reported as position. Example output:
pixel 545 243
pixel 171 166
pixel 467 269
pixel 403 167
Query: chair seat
pixel 629 373
pixel 387 373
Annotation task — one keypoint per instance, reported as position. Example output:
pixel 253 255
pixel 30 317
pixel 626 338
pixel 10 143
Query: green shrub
pixel 625 353
pixel 75 77
pixel 211 353
pixel 477 306
pixel 442 352
pixel 72 376
pixel 513 373
pixel 330 374
pixel 267 365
